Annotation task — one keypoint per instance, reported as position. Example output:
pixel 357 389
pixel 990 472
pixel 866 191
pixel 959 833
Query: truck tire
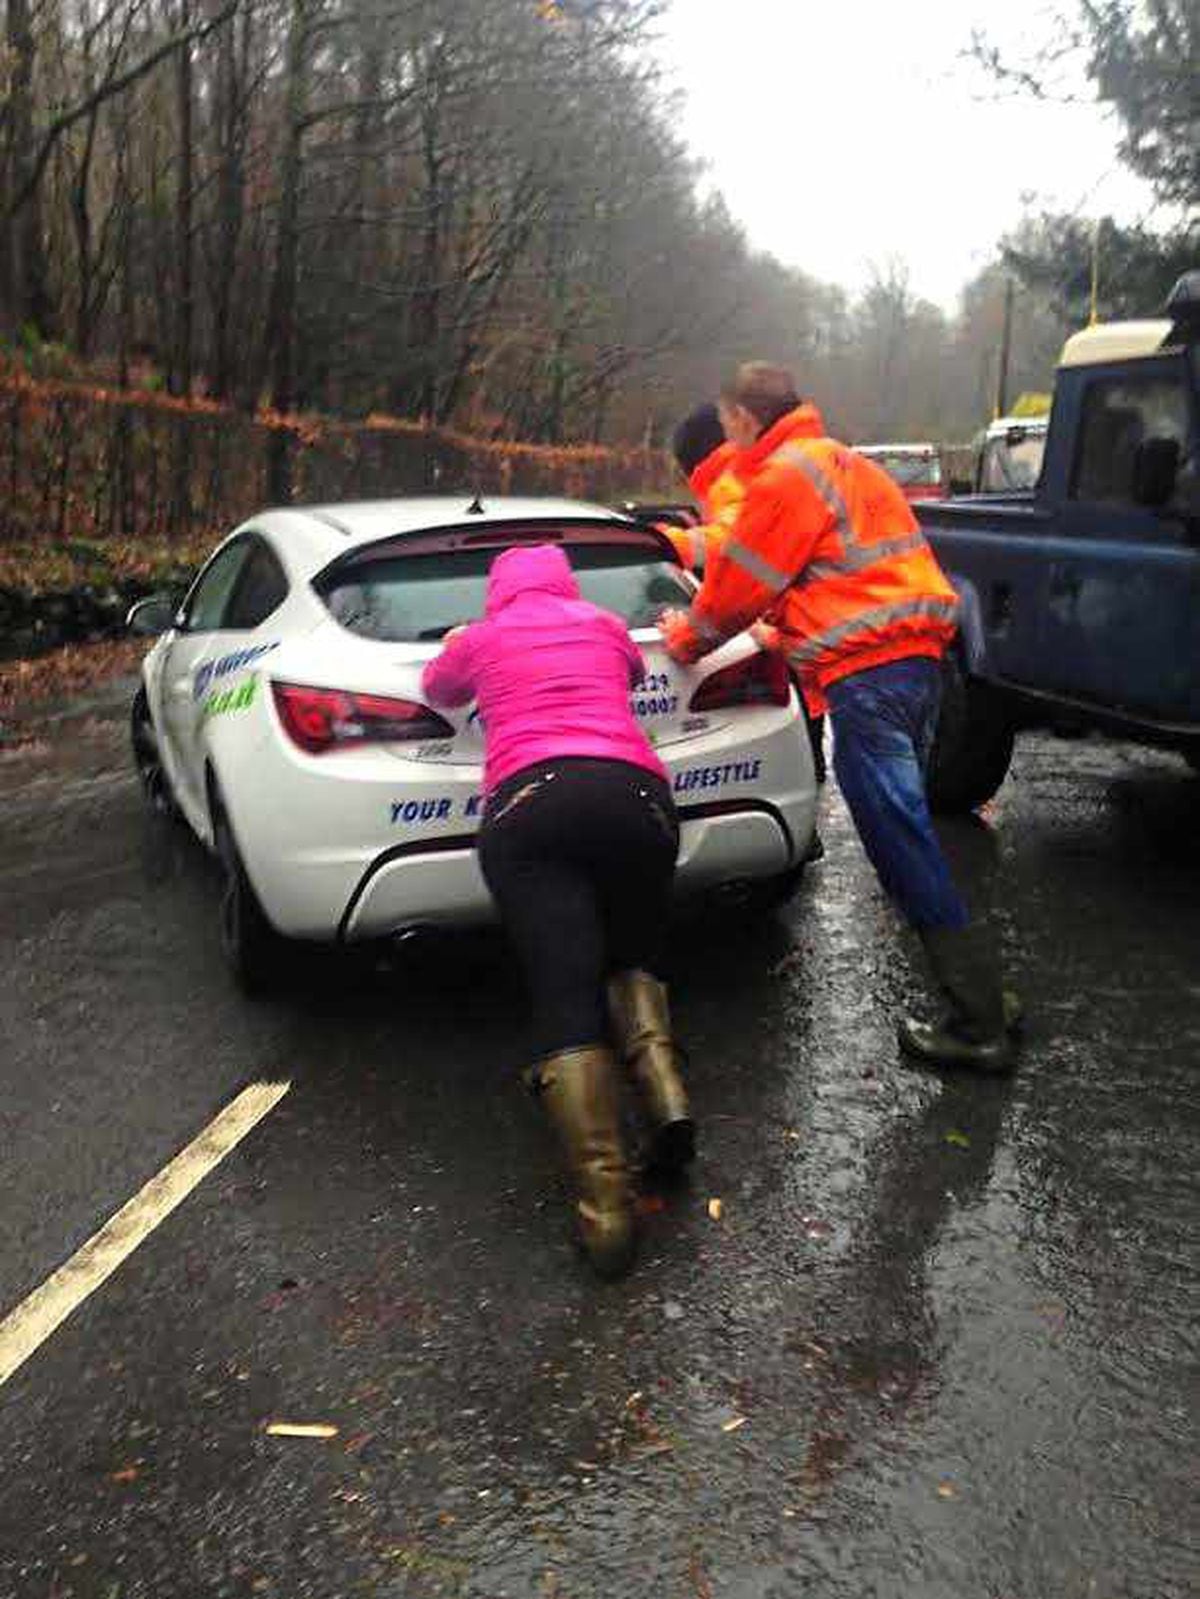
pixel 973 746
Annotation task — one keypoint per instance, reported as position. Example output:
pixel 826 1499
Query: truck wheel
pixel 253 950
pixel 974 743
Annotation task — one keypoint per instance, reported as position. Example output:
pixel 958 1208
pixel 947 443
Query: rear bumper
pixel 439 884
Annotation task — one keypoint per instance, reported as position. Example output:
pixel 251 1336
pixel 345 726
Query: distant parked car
pixel 281 712
pixel 917 468
pixel 654 513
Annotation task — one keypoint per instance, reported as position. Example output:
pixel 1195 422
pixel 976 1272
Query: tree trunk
pixel 280 339
pixel 181 353
pixel 230 114
pixel 33 302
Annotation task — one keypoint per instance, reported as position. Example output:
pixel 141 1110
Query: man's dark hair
pixel 767 392
pixel 697 436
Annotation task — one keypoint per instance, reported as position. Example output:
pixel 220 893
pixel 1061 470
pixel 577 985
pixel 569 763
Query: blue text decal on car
pixel 717 776
pixel 207 670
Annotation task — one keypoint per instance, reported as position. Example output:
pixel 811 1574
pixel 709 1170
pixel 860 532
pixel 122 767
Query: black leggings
pixel 579 856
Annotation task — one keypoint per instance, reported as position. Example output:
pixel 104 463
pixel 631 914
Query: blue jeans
pixel 883 725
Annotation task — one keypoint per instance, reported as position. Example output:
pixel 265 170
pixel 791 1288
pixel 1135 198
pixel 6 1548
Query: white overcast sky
pixel 842 134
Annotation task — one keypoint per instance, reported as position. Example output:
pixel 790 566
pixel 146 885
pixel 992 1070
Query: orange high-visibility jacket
pixel 719 491
pixel 827 549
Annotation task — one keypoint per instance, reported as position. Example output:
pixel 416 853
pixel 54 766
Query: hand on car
pixel 679 636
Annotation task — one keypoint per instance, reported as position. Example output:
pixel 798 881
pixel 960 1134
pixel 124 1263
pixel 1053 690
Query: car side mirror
pixel 151 617
pixel 1155 471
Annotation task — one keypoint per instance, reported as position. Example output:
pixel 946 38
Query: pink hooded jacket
pixel 551 673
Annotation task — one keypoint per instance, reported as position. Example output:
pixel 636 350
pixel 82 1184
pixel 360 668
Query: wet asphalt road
pixel 942 1340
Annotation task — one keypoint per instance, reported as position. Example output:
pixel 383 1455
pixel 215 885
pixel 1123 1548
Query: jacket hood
pixel 718 461
pixel 805 422
pixel 529 569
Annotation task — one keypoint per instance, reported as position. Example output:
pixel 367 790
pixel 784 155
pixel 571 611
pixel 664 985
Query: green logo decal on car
pixel 238 698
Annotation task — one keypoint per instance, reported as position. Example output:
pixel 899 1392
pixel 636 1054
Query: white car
pixel 280 712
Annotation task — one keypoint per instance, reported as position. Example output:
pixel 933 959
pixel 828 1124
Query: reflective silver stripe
pixel 856 555
pixel 934 610
pixel 860 556
pixel 794 454
pixel 760 570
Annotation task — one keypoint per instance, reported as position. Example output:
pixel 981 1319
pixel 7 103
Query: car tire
pixel 147 758
pixel 253 950
pixel 973 746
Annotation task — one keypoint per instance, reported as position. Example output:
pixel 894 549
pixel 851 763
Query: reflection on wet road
pixel 941 1339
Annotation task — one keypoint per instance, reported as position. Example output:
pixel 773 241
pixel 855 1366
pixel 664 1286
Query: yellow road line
pixel 26 1328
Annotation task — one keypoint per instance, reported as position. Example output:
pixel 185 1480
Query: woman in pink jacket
pixel 578 846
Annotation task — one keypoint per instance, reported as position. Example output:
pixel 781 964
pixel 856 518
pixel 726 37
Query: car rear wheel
pixel 766 895
pixel 253 950
pixel 974 744
pixel 143 737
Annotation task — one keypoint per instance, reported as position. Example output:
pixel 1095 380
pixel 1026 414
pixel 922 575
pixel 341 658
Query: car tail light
pixel 320 719
pixel 761 680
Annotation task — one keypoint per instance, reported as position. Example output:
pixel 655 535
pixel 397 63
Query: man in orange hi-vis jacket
pixel 709 461
pixel 826 550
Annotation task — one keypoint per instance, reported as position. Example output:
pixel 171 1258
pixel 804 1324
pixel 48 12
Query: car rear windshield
pixel 406 598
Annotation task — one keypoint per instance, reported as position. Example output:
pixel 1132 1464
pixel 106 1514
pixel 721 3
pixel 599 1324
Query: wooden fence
pixel 95 464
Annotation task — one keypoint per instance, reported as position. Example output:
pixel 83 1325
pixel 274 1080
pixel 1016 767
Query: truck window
pixel 1013 462
pixel 1118 415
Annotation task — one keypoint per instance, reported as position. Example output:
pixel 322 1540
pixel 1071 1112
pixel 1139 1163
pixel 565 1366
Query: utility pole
pixel 1094 317
pixel 1005 347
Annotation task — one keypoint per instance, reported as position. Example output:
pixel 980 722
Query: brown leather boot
pixel 579 1090
pixel 641 1020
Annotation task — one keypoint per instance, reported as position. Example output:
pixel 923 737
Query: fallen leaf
pixel 946 1489
pixel 715 1209
pixel 959 1140
pixel 300 1429
pixel 126 1474
pixel 732 1426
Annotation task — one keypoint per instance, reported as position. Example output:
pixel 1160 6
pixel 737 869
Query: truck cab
pixel 1081 595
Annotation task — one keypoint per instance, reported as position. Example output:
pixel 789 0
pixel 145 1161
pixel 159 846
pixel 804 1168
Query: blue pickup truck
pixel 1081 596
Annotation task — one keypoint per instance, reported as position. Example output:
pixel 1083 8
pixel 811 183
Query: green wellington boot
pixel 641 1020
pixel 978 1030
pixel 579 1090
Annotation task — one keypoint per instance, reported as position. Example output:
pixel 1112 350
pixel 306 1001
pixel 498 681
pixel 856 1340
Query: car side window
pixel 206 604
pixel 1119 414
pixel 261 588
